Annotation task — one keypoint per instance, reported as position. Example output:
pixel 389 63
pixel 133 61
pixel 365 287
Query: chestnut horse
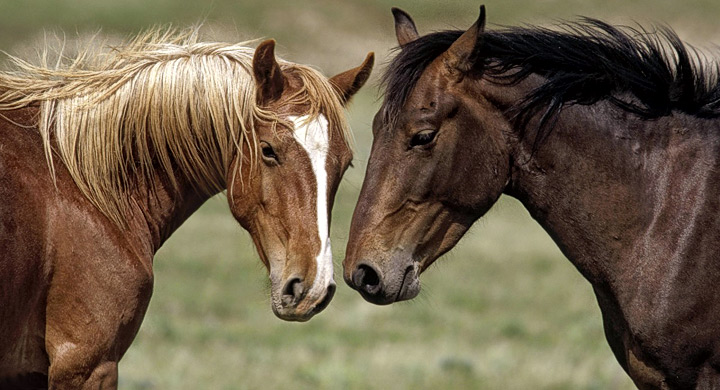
pixel 101 160
pixel 608 136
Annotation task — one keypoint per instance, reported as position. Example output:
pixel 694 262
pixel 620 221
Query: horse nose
pixel 367 280
pixel 292 292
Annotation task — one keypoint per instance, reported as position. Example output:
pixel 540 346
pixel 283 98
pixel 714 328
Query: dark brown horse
pixel 100 163
pixel 608 136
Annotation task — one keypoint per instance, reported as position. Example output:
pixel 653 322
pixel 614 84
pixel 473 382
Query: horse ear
pixel 462 55
pixel 268 76
pixel 350 81
pixel 405 29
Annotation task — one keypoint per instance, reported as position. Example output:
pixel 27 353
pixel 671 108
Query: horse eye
pixel 423 137
pixel 268 152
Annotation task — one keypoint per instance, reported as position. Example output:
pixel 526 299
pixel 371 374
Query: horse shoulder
pixel 24 271
pixel 62 263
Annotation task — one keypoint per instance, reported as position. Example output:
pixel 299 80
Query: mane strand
pixel 163 102
pixel 582 63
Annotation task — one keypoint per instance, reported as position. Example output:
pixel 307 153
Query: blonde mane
pixel 163 101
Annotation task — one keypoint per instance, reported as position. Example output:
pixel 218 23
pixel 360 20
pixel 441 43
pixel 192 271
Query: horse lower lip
pixel 403 285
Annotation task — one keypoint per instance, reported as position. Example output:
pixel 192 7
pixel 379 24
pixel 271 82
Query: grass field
pixel 504 310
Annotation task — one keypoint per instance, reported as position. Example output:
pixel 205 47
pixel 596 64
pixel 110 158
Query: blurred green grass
pixel 504 310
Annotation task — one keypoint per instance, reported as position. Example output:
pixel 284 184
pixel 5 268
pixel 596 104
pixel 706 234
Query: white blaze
pixel 314 138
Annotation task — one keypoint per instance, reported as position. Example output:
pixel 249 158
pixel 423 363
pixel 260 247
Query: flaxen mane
pixel 582 63
pixel 163 101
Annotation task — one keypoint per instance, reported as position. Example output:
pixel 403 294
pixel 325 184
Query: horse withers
pixel 102 160
pixel 608 136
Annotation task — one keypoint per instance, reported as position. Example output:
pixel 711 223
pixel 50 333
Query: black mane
pixel 582 63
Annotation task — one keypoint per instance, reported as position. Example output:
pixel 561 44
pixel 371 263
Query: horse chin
pixel 296 315
pixel 293 315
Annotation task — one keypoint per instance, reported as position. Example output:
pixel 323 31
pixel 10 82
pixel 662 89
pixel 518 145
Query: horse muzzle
pixel 383 288
pixel 294 301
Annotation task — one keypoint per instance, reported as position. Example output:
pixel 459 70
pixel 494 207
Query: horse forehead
pixel 326 147
pixel 431 91
pixel 312 133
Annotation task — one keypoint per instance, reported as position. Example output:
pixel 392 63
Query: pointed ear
pixel 349 82
pixel 405 29
pixel 462 55
pixel 268 76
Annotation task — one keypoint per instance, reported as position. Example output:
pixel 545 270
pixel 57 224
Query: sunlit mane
pixel 164 101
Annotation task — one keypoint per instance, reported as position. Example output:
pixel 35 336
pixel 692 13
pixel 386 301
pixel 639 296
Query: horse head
pixel 439 160
pixel 281 188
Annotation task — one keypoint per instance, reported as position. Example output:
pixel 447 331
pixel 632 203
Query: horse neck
pixel 161 207
pixel 595 182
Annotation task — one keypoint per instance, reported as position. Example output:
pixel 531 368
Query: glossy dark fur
pixel 608 138
pixel 582 63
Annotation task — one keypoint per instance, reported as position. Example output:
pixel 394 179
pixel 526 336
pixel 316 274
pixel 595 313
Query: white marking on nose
pixel 314 138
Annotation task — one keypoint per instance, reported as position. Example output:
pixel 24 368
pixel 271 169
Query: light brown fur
pixel 163 99
pixel 98 167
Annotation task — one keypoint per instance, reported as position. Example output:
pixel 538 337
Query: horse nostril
pixel 367 279
pixel 292 292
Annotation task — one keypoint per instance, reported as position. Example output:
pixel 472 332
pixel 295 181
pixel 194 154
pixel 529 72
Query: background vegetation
pixel 504 310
